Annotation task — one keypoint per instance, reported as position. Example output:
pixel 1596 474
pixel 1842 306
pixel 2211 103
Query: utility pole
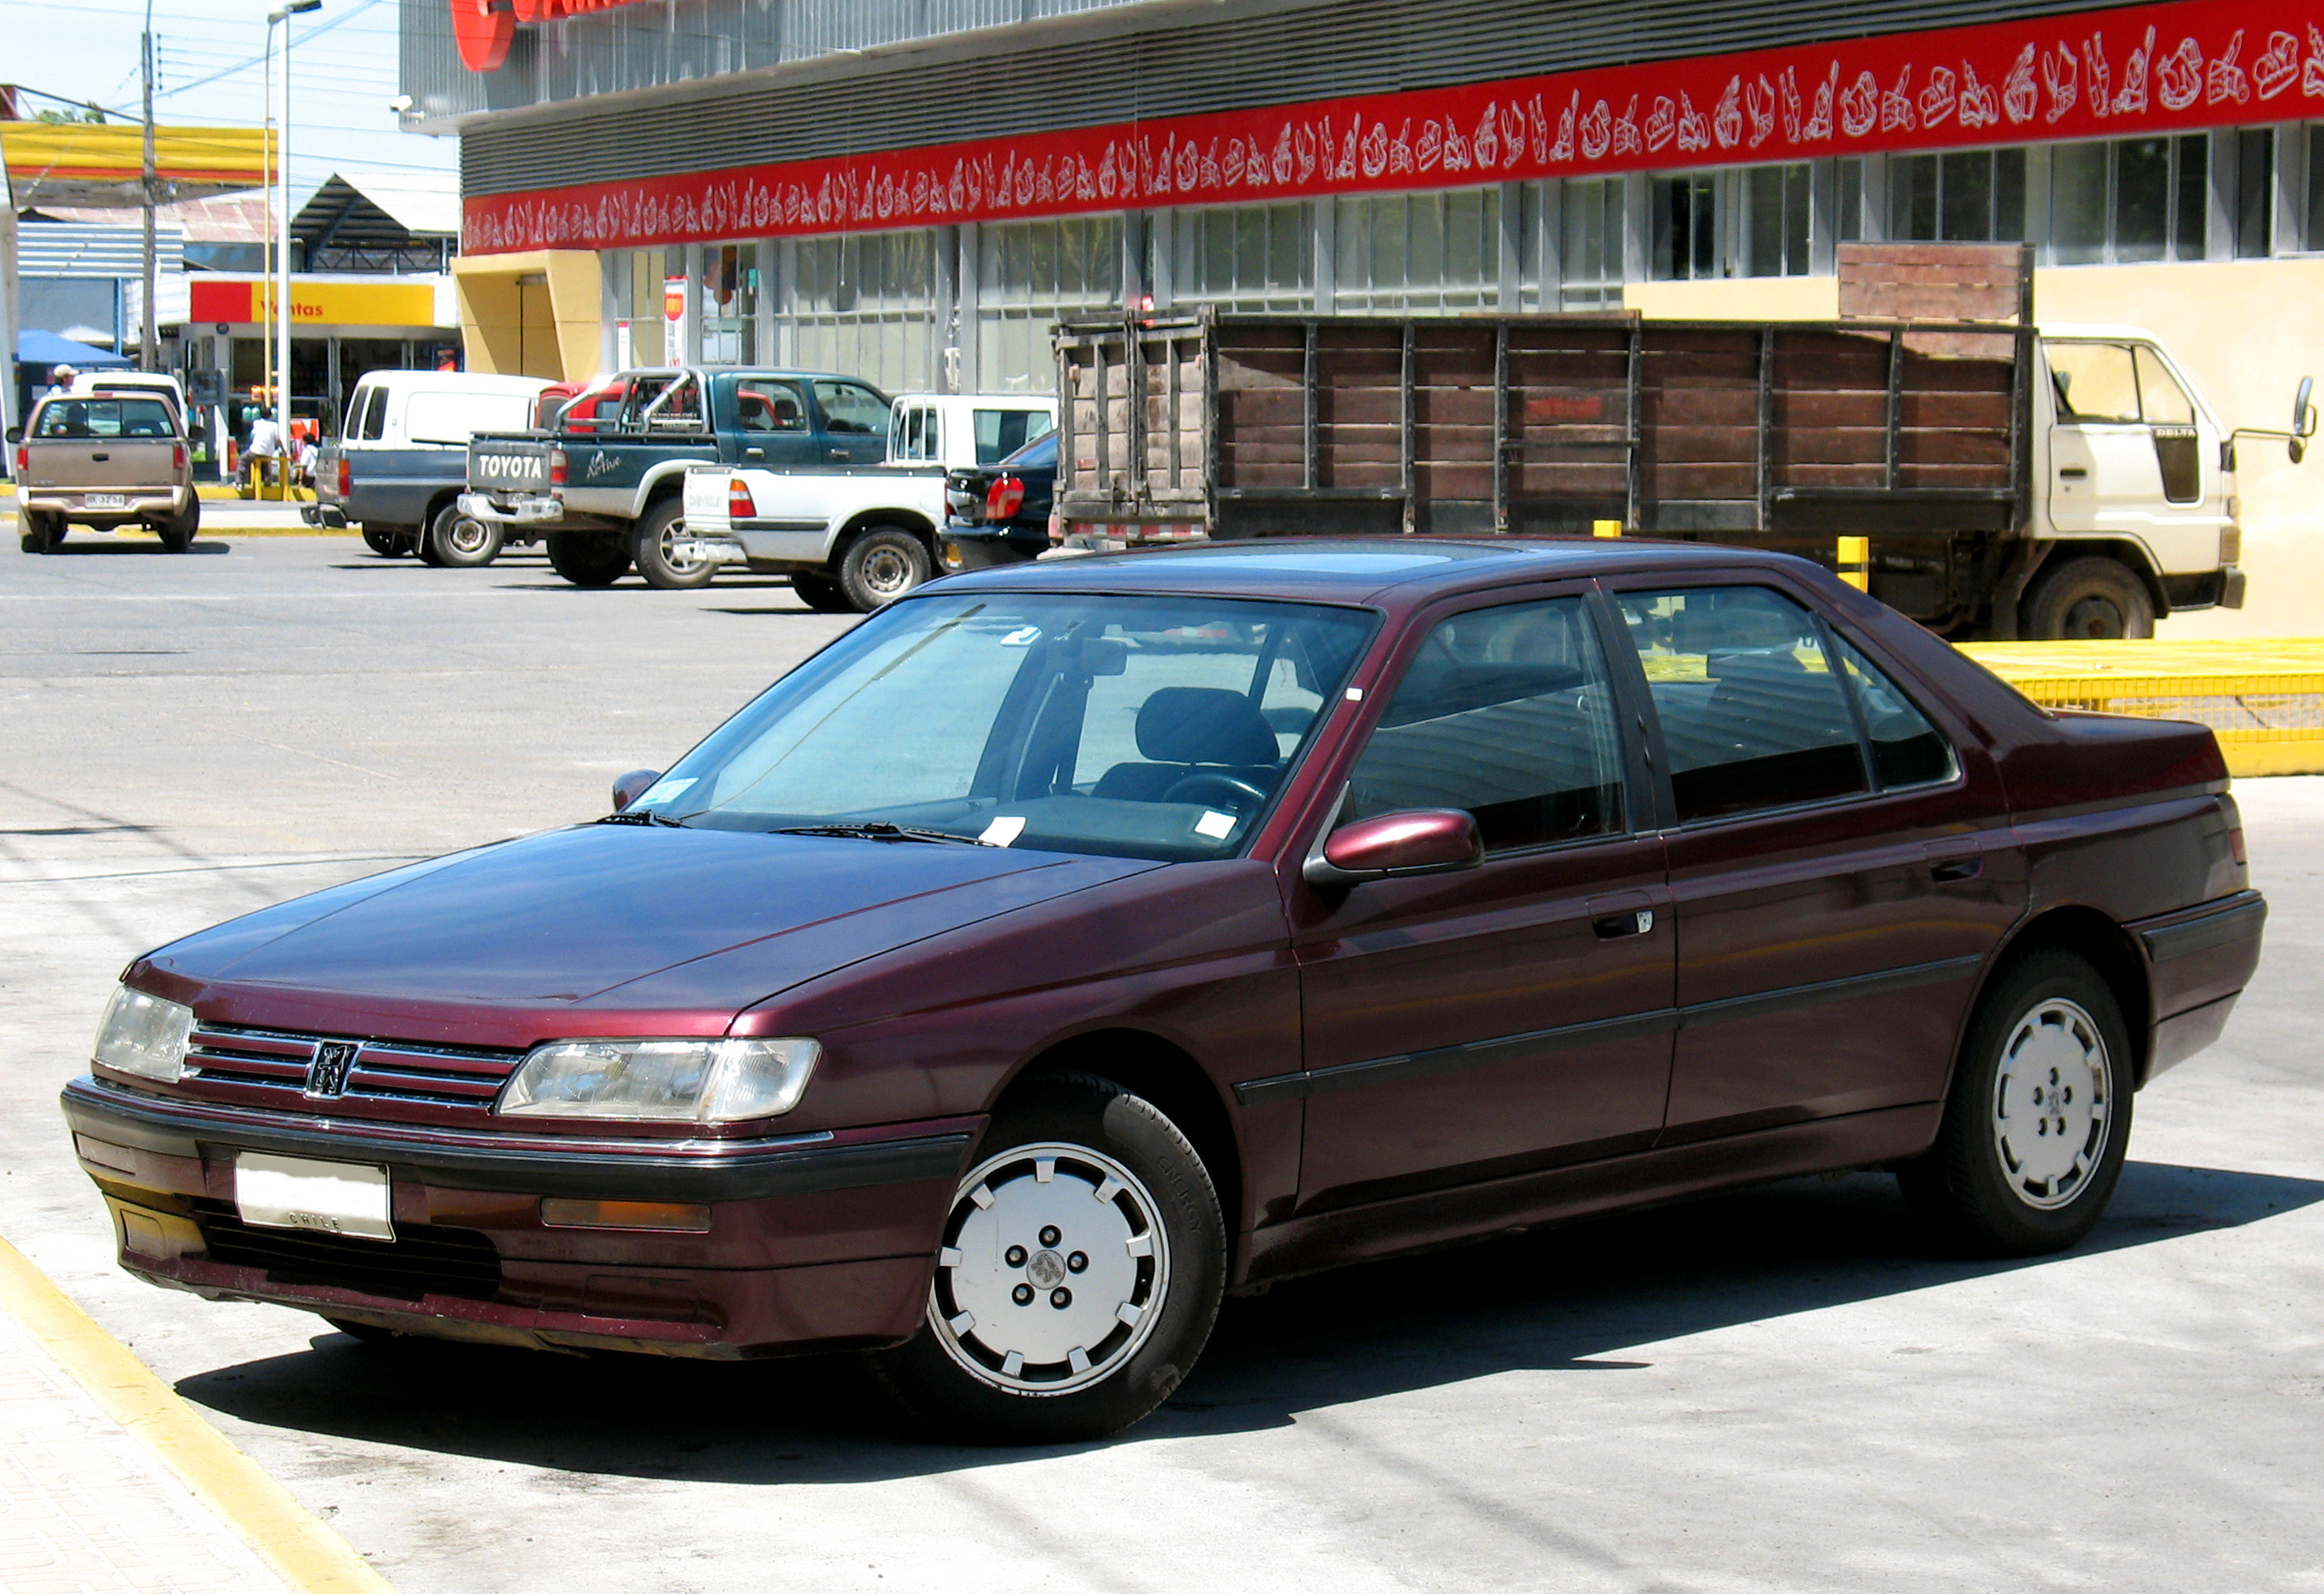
pixel 149 346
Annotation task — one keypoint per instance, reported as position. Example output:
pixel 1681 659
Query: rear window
pixel 1041 454
pixel 1002 432
pixel 450 417
pixel 105 417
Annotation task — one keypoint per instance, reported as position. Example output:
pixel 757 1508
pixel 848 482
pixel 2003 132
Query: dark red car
pixel 1070 943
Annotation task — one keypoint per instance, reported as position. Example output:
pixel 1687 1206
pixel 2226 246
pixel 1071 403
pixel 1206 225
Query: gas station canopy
pixel 102 165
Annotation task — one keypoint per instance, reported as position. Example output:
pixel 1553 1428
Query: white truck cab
pixel 855 537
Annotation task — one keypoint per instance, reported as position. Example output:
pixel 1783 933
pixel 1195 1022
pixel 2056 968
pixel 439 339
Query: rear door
pixel 1841 863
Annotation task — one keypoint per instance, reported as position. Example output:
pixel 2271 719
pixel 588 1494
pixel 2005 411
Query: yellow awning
pixel 101 164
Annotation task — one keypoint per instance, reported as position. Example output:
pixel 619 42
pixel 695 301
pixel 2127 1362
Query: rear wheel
pixel 461 541
pixel 37 531
pixel 822 594
pixel 2089 597
pixel 1078 1275
pixel 383 542
pixel 650 547
pixel 2038 1120
pixel 178 532
pixel 880 566
pixel 588 558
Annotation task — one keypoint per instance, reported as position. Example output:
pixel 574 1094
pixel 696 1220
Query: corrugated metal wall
pixel 1224 62
pixel 95 249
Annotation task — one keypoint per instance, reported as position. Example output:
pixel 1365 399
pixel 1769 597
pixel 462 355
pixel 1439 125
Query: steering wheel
pixel 1239 791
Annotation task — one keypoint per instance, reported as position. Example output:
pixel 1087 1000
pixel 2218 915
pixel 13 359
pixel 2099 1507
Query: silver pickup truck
pixel 104 460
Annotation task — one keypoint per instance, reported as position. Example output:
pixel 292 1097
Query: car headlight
pixel 706 1081
pixel 144 1034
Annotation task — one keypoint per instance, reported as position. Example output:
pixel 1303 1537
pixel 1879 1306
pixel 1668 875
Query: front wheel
pixel 179 532
pixel 821 594
pixel 880 566
pixel 2093 597
pixel 37 533
pixel 387 544
pixel 588 558
pixel 651 546
pixel 461 541
pixel 1078 1275
pixel 2038 1121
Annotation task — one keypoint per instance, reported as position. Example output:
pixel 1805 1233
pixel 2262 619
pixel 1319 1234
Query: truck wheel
pixel 461 541
pixel 2092 597
pixel 2038 1120
pixel 650 546
pixel 178 532
pixel 880 566
pixel 37 533
pixel 588 558
pixel 385 542
pixel 1078 1275
pixel 822 594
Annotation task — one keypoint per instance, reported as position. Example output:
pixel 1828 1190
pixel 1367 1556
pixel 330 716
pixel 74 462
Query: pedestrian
pixel 264 450
pixel 61 381
pixel 308 453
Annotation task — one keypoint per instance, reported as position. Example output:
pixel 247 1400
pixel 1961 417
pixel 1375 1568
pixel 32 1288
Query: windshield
pixel 1151 727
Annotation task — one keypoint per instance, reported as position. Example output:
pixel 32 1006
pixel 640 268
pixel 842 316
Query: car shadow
pixel 83 547
pixel 1571 1299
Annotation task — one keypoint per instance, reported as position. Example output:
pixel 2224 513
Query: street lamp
pixel 282 226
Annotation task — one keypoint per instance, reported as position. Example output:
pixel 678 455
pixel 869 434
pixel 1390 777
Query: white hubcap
pixel 1053 1270
pixel 2052 1102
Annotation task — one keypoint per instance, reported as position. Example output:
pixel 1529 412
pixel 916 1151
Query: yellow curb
pixel 307 1555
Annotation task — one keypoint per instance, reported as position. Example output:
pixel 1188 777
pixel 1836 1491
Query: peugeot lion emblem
pixel 328 1074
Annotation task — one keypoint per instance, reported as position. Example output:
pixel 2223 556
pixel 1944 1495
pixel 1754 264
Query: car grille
pixel 423 1259
pixel 382 1070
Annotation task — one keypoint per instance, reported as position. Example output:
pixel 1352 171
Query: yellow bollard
pixel 1605 528
pixel 1854 562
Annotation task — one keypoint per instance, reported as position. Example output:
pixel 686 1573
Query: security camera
pixel 401 103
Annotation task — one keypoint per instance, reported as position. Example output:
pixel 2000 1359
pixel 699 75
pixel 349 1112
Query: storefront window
pixel 1776 220
pixel 1029 276
pixel 1683 212
pixel 2121 200
pixel 1589 244
pixel 866 305
pixel 1419 252
pixel 728 293
pixel 1965 197
pixel 2255 185
pixel 1248 257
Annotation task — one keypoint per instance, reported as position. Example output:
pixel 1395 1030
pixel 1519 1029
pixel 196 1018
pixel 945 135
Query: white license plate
pixel 106 500
pixel 329 1198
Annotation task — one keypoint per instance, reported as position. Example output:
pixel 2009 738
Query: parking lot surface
pixel 1780 1390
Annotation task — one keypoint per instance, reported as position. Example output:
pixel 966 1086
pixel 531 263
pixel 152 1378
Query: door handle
pixel 839 454
pixel 2072 472
pixel 1954 860
pixel 1615 926
pixel 100 456
pixel 754 453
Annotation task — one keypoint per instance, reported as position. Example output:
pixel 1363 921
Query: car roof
pixel 1410 569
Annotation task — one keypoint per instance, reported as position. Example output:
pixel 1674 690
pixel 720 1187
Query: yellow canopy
pixel 102 163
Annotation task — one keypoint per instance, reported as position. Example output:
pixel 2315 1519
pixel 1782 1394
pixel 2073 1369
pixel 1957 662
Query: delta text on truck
pixel 854 537
pixel 603 485
pixel 2010 480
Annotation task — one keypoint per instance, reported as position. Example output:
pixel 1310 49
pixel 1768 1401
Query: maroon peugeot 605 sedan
pixel 1069 944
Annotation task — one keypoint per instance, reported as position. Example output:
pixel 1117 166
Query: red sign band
pixel 2141 69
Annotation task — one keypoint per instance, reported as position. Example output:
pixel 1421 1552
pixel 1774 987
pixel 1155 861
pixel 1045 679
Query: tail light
pixel 740 504
pixel 556 465
pixel 346 478
pixel 1004 498
pixel 178 458
pixel 23 461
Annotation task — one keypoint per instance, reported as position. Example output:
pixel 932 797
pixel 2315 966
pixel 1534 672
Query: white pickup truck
pixel 855 537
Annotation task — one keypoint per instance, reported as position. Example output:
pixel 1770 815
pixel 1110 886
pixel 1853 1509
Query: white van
pixel 401 459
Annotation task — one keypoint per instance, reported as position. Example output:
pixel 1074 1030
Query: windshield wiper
pixel 642 816
pixel 880 831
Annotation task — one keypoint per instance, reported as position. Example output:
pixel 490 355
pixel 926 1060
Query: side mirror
pixel 633 786
pixel 198 432
pixel 15 434
pixel 1388 846
pixel 2303 419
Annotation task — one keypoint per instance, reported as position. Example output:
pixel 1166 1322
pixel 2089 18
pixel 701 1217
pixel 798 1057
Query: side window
pixel 769 406
pixel 2176 444
pixel 918 434
pixel 2093 381
pixel 1752 714
pixel 1906 749
pixel 1505 712
pixel 848 408
pixel 1002 432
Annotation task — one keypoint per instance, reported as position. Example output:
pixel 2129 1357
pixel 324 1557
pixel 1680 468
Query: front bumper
pixel 814 1242
pixel 527 511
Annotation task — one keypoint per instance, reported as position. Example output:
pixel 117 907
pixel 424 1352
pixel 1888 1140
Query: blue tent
pixel 40 351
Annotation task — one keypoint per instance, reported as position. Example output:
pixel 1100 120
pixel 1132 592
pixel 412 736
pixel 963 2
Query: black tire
pixel 2091 597
pixel 179 532
pixel 650 543
pixel 461 541
pixel 382 542
pixel 1093 1130
pixel 880 566
pixel 822 594
pixel 589 559
pixel 424 546
pixel 1982 1186
pixel 37 533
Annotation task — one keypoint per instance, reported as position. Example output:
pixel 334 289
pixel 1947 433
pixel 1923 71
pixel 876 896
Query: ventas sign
pixel 487 28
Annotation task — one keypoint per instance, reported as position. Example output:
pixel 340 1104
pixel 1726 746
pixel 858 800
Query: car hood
pixel 587 918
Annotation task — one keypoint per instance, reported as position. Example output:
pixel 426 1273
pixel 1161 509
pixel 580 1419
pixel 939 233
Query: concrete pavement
pixel 1776 1391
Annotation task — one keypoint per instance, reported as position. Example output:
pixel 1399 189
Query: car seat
pixel 1184 730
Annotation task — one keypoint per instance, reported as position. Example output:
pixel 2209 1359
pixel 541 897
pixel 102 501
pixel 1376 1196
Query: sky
pixel 213 73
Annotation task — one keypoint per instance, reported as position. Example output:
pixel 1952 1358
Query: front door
pixel 854 420
pixel 1513 1016
pixel 1837 878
